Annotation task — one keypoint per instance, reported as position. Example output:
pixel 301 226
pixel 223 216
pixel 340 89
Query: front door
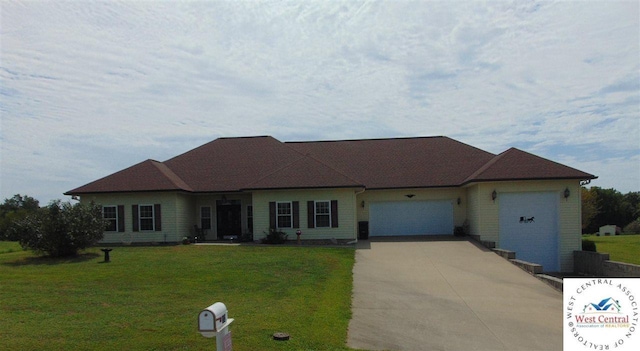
pixel 229 220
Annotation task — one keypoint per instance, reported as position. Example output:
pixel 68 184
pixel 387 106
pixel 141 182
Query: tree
pixel 589 208
pixel 19 202
pixel 608 206
pixel 13 210
pixel 61 229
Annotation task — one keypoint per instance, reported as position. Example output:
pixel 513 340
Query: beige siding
pixel 473 217
pixel 169 201
pixel 185 216
pixel 452 194
pixel 484 212
pixel 346 212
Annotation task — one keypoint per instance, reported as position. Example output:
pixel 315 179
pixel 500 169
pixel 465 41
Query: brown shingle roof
pixel 149 175
pixel 229 164
pixel 515 164
pixel 400 163
pixel 236 164
pixel 305 172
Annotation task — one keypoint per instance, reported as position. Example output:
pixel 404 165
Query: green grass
pixel 621 248
pixel 9 247
pixel 148 298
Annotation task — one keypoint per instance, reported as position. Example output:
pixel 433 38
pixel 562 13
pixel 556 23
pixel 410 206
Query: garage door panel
pixel 529 226
pixel 411 218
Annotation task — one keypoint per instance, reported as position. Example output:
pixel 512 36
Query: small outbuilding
pixel 609 229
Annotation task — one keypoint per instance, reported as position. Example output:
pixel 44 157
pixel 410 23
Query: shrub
pixel 459 231
pixel 274 237
pixel 588 245
pixel 61 229
pixel 632 228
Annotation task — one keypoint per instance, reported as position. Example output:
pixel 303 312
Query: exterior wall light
pixel 459 201
pixel 362 204
pixel 567 193
pixel 494 195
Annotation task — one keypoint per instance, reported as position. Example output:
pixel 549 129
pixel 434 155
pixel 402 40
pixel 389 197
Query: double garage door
pixel 411 218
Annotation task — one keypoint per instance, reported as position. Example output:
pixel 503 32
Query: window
pixel 146 217
pixel 323 214
pixel 250 218
pixel 110 214
pixel 284 217
pixel 205 217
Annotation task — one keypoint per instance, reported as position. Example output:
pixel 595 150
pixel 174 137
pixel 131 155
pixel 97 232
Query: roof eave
pixel 481 180
pixel 72 192
pixel 306 187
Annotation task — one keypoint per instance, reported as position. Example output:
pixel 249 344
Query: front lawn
pixel 621 248
pixel 148 298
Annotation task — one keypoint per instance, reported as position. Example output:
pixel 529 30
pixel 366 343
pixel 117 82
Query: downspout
pixel 356 219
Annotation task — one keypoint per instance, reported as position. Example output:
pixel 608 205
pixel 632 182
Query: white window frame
pixel 278 215
pixel 316 214
pixel 153 218
pixel 110 219
pixel 210 218
pixel 250 217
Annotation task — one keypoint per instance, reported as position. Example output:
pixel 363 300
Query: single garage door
pixel 529 226
pixel 411 218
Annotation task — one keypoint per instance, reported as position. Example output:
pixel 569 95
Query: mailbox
pixel 212 319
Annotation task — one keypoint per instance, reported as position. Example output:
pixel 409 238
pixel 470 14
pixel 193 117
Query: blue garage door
pixel 411 218
pixel 529 226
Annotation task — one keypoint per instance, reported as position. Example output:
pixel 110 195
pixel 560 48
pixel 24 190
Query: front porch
pixel 222 218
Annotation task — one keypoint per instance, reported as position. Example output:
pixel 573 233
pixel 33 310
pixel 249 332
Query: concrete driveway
pixel 448 294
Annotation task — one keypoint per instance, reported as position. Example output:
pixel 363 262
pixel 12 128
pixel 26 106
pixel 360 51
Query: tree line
pixel 609 206
pixel 58 229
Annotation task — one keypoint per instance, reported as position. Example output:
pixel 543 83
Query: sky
pixel 88 88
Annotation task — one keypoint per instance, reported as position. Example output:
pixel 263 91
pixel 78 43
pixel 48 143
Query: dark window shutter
pixel 136 223
pixel 311 212
pixel 334 213
pixel 296 214
pixel 157 212
pixel 272 215
pixel 121 218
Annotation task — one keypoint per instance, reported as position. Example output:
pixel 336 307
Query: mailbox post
pixel 213 321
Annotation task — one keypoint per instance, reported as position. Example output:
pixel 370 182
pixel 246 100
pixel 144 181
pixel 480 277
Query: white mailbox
pixel 212 319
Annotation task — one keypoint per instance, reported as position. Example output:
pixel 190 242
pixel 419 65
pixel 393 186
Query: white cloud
pixel 98 86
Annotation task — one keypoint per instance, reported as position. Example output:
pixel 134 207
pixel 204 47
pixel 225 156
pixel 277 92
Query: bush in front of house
pixel 274 237
pixel 588 245
pixel 61 229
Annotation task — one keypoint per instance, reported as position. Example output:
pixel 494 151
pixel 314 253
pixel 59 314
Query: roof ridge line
pixel 485 166
pixel 309 155
pixel 172 176
pixel 248 186
pixel 363 139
